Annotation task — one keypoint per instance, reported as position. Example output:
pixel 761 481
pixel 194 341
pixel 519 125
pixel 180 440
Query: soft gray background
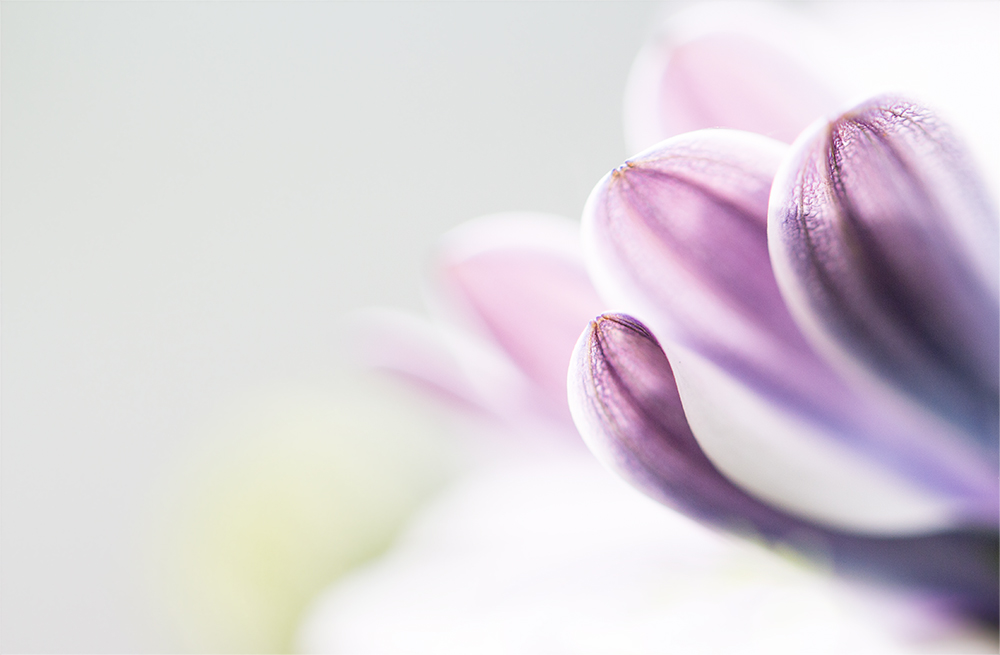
pixel 193 195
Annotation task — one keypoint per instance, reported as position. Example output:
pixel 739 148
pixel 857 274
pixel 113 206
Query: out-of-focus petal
pixel 520 279
pixel 677 236
pixel 886 248
pixel 682 82
pixel 626 405
pixel 426 354
pixel 680 230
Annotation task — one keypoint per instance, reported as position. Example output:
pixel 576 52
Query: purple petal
pixel 678 237
pixel 627 406
pixel 885 244
pixel 682 227
pixel 720 79
pixel 520 279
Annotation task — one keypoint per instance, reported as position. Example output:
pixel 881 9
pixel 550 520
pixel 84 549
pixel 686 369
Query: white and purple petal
pixel 678 237
pixel 885 244
pixel 626 405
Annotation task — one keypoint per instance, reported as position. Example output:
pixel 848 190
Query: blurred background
pixel 193 197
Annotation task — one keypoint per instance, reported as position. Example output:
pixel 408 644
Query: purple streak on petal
pixel 720 80
pixel 886 246
pixel 626 405
pixel 520 278
pixel 680 230
pixel 678 236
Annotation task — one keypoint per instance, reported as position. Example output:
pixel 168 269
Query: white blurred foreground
pixel 557 556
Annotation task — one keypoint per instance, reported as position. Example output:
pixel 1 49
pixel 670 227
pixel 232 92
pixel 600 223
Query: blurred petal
pixel 885 244
pixel 424 353
pixel 520 279
pixel 681 83
pixel 627 406
pixel 677 236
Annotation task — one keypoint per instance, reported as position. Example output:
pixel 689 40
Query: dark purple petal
pixel 886 247
pixel 678 237
pixel 627 406
pixel 721 79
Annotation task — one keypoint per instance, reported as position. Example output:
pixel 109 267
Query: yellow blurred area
pixel 287 492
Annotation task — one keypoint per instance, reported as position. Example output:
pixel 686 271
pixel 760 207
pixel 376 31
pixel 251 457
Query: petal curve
pixel 626 405
pixel 884 243
pixel 677 237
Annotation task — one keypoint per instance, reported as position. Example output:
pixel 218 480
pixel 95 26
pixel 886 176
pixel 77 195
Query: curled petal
pixel 519 280
pixel 626 404
pixel 678 237
pixel 885 245
pixel 681 83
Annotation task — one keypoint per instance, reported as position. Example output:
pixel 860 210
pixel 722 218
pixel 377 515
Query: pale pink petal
pixel 683 81
pixel 520 280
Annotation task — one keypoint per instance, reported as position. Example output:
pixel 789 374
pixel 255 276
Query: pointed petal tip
pixel 624 401
pixel 677 234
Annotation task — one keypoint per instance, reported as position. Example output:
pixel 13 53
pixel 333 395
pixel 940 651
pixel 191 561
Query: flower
pixel 842 399
pixel 730 413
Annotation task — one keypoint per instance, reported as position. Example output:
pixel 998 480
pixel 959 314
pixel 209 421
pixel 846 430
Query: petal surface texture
pixel 677 237
pixel 886 247
pixel 627 407
pixel 520 280
pixel 721 79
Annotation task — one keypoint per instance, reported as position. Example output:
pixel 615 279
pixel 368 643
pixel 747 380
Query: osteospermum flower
pixel 816 362
pixel 757 433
